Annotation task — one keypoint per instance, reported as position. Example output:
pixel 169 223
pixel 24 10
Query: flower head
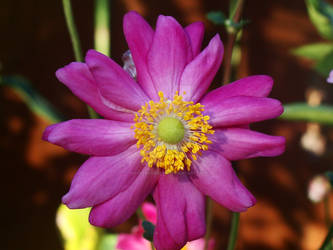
pixel 162 133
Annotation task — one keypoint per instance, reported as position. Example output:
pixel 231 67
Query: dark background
pixel 34 43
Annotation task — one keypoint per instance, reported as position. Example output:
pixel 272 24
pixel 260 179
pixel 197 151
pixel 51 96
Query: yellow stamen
pixel 171 154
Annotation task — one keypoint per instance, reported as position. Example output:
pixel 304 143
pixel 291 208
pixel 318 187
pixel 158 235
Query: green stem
pixel 92 113
pixel 209 220
pixel 303 112
pixel 75 42
pixel 235 16
pixel 232 33
pixel 102 26
pixel 233 231
pixel 140 214
pixel 72 30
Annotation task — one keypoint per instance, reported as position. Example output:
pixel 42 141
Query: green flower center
pixel 170 130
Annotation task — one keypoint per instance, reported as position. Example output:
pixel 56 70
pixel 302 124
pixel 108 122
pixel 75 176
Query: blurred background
pixel 35 42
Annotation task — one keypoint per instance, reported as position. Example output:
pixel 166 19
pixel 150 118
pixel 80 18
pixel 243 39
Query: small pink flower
pixel 135 240
pixel 162 133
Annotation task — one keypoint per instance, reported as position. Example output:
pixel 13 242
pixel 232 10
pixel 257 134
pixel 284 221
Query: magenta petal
pixel 119 208
pixel 196 33
pixel 101 178
pixel 78 78
pixel 162 237
pixel 139 36
pixel 182 209
pixel 214 176
pixel 170 52
pixel 241 110
pixel 114 84
pixel 239 143
pixel 257 86
pixel 97 137
pixel 199 73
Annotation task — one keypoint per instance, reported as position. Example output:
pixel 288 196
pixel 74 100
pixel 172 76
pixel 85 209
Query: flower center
pixel 170 130
pixel 171 133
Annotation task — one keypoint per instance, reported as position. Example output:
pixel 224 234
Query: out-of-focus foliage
pixel 108 242
pixel 79 234
pixel 325 65
pixel 149 230
pixel 102 26
pixel 233 6
pixel 315 51
pixel 321 15
pixel 216 17
pixel 75 229
pixel 37 103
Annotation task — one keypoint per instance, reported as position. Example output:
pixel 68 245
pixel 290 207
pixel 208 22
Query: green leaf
pixel 75 229
pixel 149 230
pixel 315 51
pixel 321 15
pixel 108 242
pixel 302 111
pixel 325 65
pixel 216 17
pixel 37 103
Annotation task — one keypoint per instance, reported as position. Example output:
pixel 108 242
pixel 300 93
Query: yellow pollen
pixel 172 155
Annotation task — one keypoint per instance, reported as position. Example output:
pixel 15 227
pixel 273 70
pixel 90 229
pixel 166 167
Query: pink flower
pixel 135 240
pixel 161 133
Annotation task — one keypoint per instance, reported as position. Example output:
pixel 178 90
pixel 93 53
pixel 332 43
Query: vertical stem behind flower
pixel 232 33
pixel 72 30
pixel 102 35
pixel 233 231
pixel 75 41
pixel 140 214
